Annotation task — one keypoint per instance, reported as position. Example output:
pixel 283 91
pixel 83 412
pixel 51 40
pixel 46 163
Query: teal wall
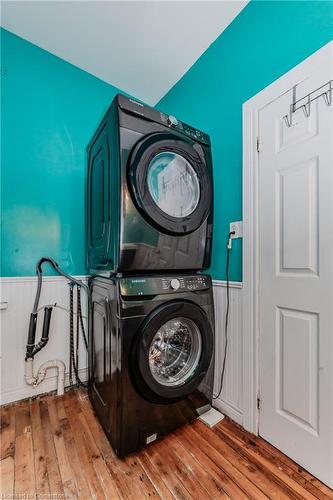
pixel 51 108
pixel 49 112
pixel 263 42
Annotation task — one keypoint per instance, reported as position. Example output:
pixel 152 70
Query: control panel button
pixel 172 121
pixel 174 284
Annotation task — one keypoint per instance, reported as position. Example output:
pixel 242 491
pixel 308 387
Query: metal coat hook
pixel 307 107
pixel 289 118
pixel 325 91
pixel 328 95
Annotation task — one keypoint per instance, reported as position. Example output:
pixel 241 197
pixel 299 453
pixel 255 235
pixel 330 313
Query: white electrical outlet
pixel 237 229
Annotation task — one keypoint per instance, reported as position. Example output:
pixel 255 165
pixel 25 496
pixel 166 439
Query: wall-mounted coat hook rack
pixel 304 103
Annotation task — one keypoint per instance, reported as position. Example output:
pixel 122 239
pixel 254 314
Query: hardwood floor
pixel 53 447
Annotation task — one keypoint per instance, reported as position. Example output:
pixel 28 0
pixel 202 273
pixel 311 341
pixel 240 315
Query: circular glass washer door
pixel 170 183
pixel 173 351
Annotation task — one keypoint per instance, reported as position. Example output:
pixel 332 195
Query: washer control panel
pixel 156 285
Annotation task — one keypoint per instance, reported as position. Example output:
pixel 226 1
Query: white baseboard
pixel 48 385
pixel 227 409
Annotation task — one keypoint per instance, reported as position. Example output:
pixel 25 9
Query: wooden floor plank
pixel 7 477
pixel 248 476
pixel 206 480
pixel 219 477
pixel 166 470
pixel 139 474
pixel 221 470
pixel 24 471
pixel 7 450
pixel 183 473
pixel 65 468
pixel 38 440
pixel 294 489
pixel 155 477
pixel 72 452
pixel 55 446
pixel 53 472
pixel 7 429
pixel 285 464
pixel 85 455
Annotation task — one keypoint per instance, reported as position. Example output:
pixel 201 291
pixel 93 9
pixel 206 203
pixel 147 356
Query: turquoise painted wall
pixel 264 41
pixel 49 112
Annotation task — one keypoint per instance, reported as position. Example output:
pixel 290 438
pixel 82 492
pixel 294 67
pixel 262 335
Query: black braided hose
pixel 81 317
pixel 73 362
pixel 71 331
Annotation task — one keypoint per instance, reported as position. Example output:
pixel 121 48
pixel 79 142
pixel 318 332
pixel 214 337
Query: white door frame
pixel 251 109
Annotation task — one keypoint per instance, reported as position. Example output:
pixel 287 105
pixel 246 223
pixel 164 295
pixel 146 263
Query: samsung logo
pixel 136 102
pixel 138 281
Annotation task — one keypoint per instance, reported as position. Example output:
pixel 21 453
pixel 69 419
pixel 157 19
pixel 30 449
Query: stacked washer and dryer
pixel 149 237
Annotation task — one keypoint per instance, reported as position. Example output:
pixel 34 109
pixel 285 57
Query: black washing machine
pixel 151 356
pixel 149 192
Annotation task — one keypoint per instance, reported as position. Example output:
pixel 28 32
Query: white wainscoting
pixel 230 402
pixel 19 294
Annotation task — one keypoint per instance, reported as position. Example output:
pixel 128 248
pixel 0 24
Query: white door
pixel 295 205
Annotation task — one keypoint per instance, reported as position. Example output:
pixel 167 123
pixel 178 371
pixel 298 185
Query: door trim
pixel 251 109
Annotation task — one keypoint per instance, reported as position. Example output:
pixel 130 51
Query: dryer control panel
pixel 157 285
pixel 138 108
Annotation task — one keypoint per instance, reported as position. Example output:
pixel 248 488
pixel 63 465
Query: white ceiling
pixel 142 47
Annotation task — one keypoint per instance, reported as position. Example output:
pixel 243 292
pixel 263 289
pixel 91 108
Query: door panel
pixel 296 280
pixel 297 345
pixel 298 221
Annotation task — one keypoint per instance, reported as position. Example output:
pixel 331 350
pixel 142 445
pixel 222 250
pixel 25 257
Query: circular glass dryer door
pixel 173 350
pixel 173 184
pixel 170 183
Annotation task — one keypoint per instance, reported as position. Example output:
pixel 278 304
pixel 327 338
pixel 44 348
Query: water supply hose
pixel 32 348
pixel 59 271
